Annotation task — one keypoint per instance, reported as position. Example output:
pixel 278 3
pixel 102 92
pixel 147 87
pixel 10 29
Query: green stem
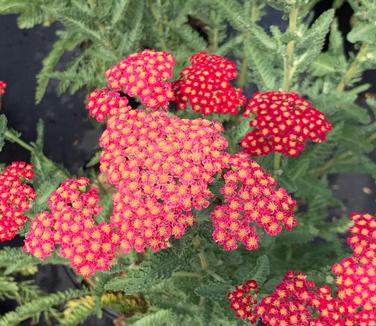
pixel 214 40
pixel 187 274
pixel 350 72
pixel 277 164
pixel 288 67
pixel 242 79
pixel 201 254
pixel 159 19
pixel 325 167
pixel 288 71
pixel 106 41
pixel 353 68
pixel 244 64
pixel 321 170
pixel 203 260
pixel 12 137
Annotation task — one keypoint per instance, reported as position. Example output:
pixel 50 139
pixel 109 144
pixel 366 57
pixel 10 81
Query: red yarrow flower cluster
pixel 289 304
pixel 104 102
pixel 283 123
pixel 206 85
pixel 356 275
pixel 161 167
pixel 15 198
pixel 144 74
pixel 250 199
pixel 297 301
pixel 243 300
pixel 71 224
pixel 3 85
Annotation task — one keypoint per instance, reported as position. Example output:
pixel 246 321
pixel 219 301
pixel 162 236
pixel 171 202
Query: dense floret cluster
pixel 71 224
pixel 243 300
pixel 356 275
pixel 15 198
pixel 283 123
pixel 104 102
pixel 250 200
pixel 289 304
pixel 144 74
pixel 206 85
pixel 161 167
pixel 297 300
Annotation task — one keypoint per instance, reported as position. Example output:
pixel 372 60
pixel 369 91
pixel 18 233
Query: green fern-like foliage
pixel 38 306
pixel 77 311
pixel 187 283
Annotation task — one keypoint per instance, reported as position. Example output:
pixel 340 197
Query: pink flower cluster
pixel 70 224
pixel 283 123
pixel 145 74
pixel 288 305
pixel 206 85
pixel 297 300
pixel 250 199
pixel 15 198
pixel 161 167
pixel 356 275
pixel 104 102
pixel 3 85
pixel 243 299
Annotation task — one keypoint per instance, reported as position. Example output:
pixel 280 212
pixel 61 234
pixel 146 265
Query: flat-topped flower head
pixel 15 198
pixel 297 301
pixel 3 86
pixel 205 85
pixel 71 225
pixel 283 123
pixel 356 275
pixel 250 199
pixel 144 74
pixel 104 102
pixel 161 166
pixel 290 303
pixel 243 300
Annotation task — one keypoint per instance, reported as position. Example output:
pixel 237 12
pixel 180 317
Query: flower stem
pixel 346 155
pixel 187 274
pixel 203 260
pixel 277 164
pixel 288 71
pixel 214 35
pixel 12 136
pixel 242 79
pixel 353 68
pixel 288 67
pixel 197 244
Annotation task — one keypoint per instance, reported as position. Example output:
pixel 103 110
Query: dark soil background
pixel 71 139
